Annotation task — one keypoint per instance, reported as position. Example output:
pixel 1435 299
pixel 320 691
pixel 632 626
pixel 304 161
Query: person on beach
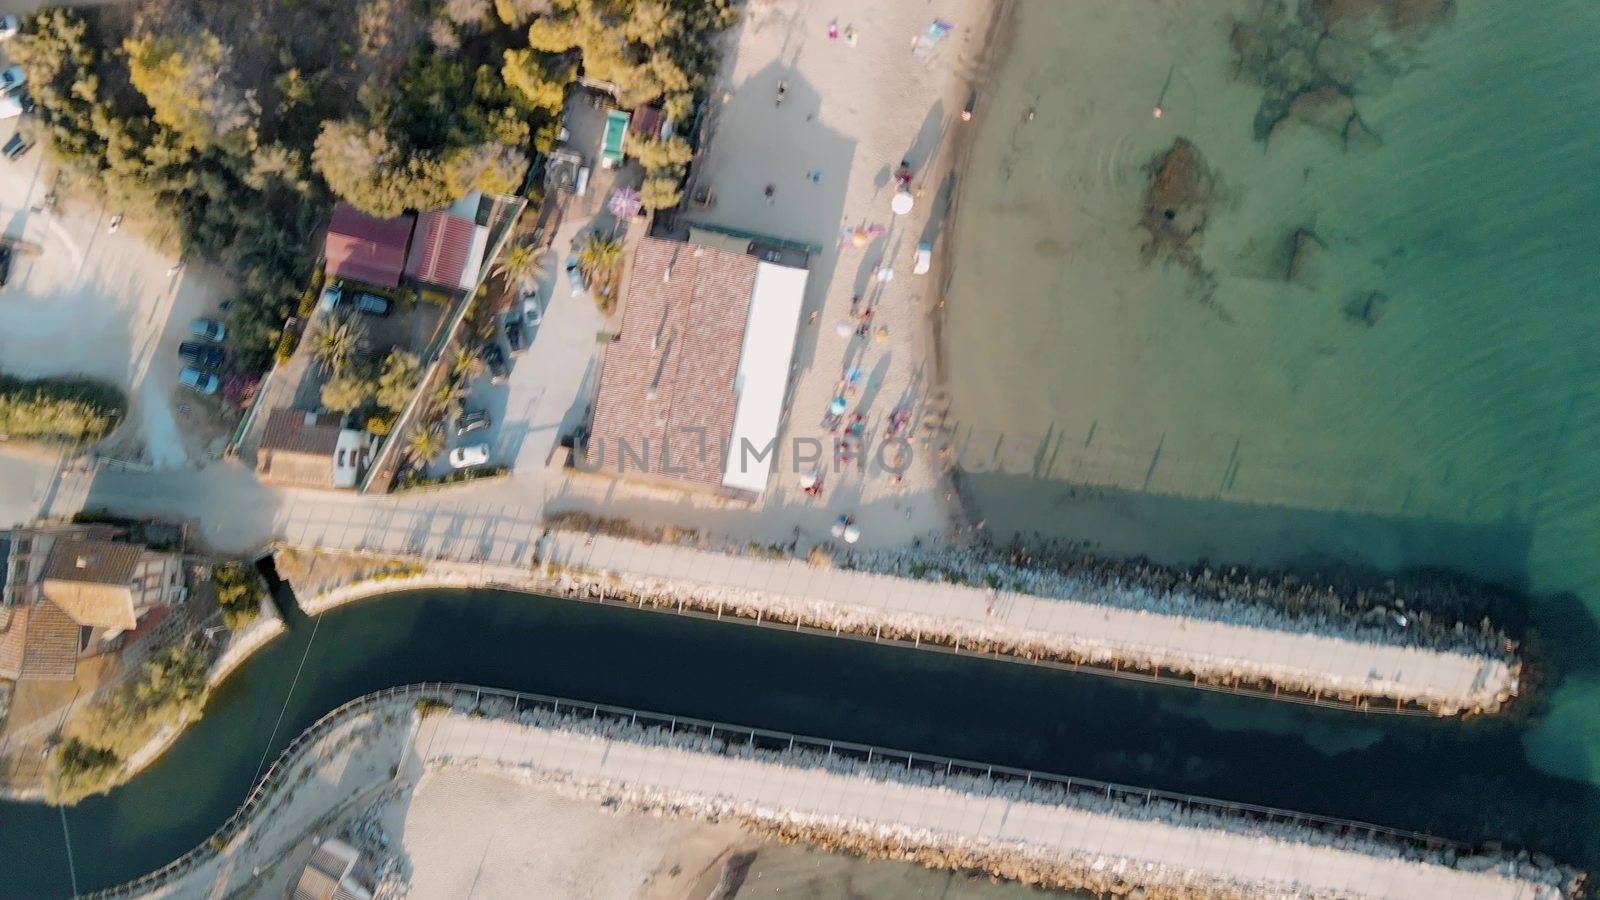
pixel 771 189
pixel 833 29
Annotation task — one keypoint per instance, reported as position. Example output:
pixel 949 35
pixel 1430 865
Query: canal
pixel 1465 780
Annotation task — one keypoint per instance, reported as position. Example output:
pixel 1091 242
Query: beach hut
pixel 616 134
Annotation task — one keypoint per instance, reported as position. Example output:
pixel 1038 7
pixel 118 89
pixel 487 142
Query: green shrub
pixel 287 342
pixel 78 769
pixel 308 300
pixel 74 410
pixel 239 593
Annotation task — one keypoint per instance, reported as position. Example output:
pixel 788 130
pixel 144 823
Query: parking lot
pixel 106 305
pixel 550 383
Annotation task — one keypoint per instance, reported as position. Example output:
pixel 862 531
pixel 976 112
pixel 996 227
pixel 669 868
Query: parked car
pixel 210 329
pixel 496 361
pixel 371 304
pixel 198 381
pixel 12 80
pixel 11 107
pixel 472 420
pixel 515 337
pixel 467 457
pixel 331 295
pixel 17 146
pixel 9 26
pixel 575 276
pixel 202 355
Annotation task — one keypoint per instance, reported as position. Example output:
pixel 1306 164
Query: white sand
pixel 853 114
pixel 488 834
pixel 100 304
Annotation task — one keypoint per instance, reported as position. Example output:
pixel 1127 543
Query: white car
pixel 9 26
pixel 467 457
pixel 12 80
pixel 10 107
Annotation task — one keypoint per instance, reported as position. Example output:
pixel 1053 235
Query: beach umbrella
pixel 902 203
pixel 851 534
pixel 838 528
pixel 844 329
pixel 837 406
pixel 625 203
pixel 859 239
pixel 808 480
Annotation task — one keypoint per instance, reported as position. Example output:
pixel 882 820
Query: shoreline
pixel 876 615
pixel 636 761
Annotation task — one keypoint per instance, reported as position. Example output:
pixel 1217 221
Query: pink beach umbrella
pixel 625 203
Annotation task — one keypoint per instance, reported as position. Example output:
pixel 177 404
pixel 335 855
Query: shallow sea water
pixel 1112 401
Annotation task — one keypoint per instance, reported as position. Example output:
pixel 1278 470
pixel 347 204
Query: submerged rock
pixel 1177 201
pixel 1328 108
pixel 1358 136
pixel 1304 250
pixel 1366 309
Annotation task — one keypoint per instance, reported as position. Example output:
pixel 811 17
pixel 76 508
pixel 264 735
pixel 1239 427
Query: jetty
pixel 1038 828
pixel 1264 655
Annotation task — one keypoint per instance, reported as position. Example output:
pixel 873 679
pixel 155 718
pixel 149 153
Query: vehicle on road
pixel 471 420
pixel 9 26
pixel 467 457
pixel 575 276
pixel 198 381
pixel 12 80
pixel 17 146
pixel 924 259
pixel 11 107
pixel 210 329
pixel 496 361
pixel 515 337
pixel 201 354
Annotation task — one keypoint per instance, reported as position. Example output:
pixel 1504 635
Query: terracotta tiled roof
pixel 439 248
pixel 364 248
pixel 671 374
pixel 92 561
pixel 40 642
pixel 297 431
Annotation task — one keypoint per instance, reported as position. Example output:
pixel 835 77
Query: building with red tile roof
pixel 364 248
pixel 701 364
pixel 446 250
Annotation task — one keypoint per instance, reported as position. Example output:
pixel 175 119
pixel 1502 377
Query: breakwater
pixel 946 813
pixel 988 609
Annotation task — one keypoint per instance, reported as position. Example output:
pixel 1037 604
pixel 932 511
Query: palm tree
pixel 517 264
pixel 600 257
pixel 465 365
pixel 336 342
pixel 425 443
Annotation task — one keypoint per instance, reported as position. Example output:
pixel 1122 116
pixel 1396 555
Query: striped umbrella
pixel 625 203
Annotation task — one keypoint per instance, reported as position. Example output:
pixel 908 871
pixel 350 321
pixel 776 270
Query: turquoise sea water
pixel 1460 429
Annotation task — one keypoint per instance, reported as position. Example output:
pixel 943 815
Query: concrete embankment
pixel 1028 826
pixel 1267 654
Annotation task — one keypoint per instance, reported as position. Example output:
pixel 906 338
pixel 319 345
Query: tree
pixel 424 444
pixel 465 365
pixel 238 593
pixel 185 80
pixel 347 390
pixel 600 258
pixel 516 13
pixel 336 341
pixel 78 769
pixel 540 86
pixel 656 154
pixel 518 263
pixel 401 373
pixel 660 193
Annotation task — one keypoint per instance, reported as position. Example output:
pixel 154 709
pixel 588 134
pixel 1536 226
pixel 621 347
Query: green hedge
pixel 75 410
pixel 414 479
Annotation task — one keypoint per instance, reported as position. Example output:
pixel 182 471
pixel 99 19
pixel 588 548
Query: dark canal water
pixel 1467 780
